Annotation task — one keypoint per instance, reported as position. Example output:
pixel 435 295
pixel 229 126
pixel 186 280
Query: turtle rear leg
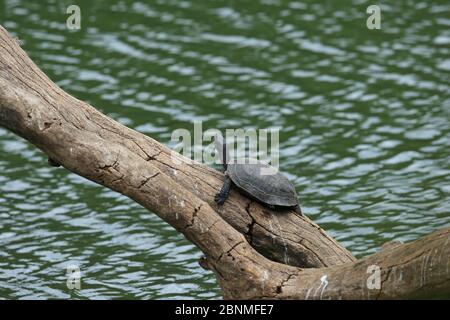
pixel 224 191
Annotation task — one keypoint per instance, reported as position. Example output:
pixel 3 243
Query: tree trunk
pixel 253 251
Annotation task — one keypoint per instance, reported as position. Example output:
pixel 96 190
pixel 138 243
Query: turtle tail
pixel 299 210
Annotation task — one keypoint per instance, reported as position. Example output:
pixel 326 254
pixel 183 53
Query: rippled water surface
pixel 364 117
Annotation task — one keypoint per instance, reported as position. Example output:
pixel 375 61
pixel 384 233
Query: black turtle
pixel 272 190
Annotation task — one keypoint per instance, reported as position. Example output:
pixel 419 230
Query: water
pixel 364 117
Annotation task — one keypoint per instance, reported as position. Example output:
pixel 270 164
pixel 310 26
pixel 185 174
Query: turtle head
pixel 221 147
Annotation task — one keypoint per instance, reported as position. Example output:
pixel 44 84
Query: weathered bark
pixel 254 252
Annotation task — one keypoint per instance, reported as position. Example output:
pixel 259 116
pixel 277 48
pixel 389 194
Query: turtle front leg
pixel 224 191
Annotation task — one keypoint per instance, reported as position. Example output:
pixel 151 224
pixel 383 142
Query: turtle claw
pixel 219 199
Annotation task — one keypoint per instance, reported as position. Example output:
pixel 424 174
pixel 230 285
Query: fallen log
pixel 253 251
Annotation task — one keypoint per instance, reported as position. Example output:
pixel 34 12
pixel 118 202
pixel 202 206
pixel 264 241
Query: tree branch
pixel 254 252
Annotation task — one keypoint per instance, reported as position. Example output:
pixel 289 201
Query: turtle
pixel 271 190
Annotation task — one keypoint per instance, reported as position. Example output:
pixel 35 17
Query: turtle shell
pixel 274 189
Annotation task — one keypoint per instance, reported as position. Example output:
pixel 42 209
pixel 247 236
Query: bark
pixel 253 251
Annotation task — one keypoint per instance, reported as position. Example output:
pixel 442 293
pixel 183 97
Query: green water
pixel 364 118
